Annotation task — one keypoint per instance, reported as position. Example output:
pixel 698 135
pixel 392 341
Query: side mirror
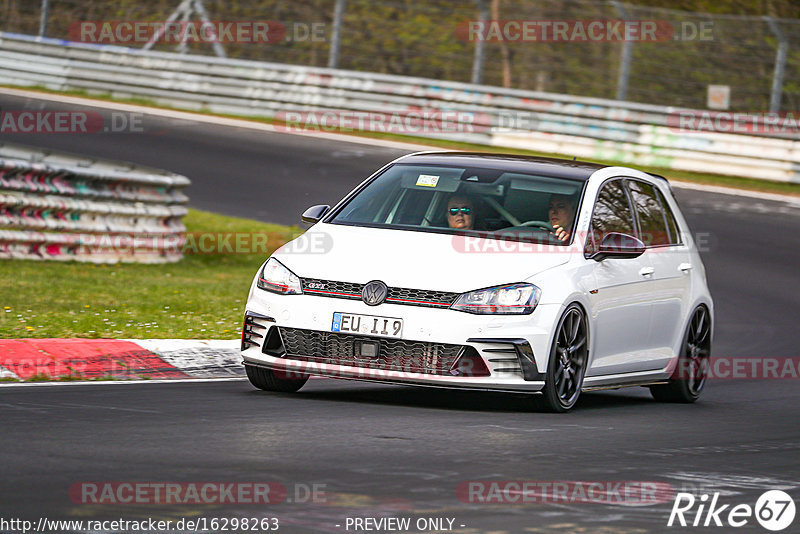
pixel 315 213
pixel 617 245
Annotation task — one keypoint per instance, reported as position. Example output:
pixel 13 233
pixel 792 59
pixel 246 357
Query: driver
pixel 561 212
pixel 460 213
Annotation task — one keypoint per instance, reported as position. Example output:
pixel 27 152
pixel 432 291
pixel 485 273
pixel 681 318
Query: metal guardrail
pixel 590 128
pixel 63 207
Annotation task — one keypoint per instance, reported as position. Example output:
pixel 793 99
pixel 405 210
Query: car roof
pixel 555 167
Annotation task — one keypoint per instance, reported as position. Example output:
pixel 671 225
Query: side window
pixel 612 213
pixel 647 205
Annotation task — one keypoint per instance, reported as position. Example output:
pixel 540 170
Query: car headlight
pixel 278 279
pixel 508 299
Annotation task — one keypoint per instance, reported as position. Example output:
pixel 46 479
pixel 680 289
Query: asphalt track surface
pixel 386 451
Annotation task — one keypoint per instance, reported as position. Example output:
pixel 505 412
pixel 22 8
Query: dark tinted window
pixel 502 204
pixel 612 213
pixel 672 226
pixel 652 223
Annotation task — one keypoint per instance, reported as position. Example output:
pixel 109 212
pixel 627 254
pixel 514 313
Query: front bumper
pixel 514 348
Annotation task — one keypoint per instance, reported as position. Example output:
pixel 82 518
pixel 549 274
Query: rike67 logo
pixel 774 510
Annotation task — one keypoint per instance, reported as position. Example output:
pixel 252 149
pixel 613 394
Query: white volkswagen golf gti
pixel 489 272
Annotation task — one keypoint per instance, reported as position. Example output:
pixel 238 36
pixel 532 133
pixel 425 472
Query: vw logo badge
pixel 374 293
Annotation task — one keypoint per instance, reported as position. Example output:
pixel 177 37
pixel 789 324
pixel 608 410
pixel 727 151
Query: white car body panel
pixel 405 259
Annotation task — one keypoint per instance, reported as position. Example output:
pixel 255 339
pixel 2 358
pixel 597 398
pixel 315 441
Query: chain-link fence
pixel 578 47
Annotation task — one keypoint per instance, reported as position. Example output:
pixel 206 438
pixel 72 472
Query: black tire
pixel 567 362
pixel 690 374
pixel 267 380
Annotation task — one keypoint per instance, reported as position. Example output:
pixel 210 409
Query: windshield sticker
pixel 427 180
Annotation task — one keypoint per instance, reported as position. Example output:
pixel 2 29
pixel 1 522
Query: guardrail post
pixel 780 66
pixel 480 44
pixel 43 20
pixel 625 58
pixel 336 34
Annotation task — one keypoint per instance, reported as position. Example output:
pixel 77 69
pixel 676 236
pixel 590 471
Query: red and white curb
pixel 120 359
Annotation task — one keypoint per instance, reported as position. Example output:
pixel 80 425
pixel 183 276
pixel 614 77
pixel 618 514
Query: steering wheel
pixel 538 224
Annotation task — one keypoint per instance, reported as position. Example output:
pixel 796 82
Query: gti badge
pixel 374 293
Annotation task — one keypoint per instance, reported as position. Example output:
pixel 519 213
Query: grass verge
pixel 200 297
pixel 738 182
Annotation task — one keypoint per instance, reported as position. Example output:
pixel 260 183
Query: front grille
pixel 328 288
pixel 393 354
pixel 420 297
pixel 395 295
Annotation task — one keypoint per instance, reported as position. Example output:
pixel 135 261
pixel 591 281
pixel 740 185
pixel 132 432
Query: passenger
pixel 460 213
pixel 561 212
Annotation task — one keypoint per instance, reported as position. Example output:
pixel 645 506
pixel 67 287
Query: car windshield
pixel 489 202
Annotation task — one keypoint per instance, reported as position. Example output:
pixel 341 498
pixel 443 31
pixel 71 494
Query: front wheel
pixel 690 375
pixel 567 363
pixel 268 380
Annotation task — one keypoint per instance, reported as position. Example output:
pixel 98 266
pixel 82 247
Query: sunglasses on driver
pixel 454 211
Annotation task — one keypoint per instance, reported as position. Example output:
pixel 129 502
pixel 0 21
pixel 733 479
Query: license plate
pixel 371 325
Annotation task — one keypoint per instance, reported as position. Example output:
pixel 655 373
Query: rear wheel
pixel 267 380
pixel 690 375
pixel 567 363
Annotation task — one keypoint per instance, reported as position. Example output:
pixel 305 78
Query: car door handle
pixel 646 271
pixel 685 267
